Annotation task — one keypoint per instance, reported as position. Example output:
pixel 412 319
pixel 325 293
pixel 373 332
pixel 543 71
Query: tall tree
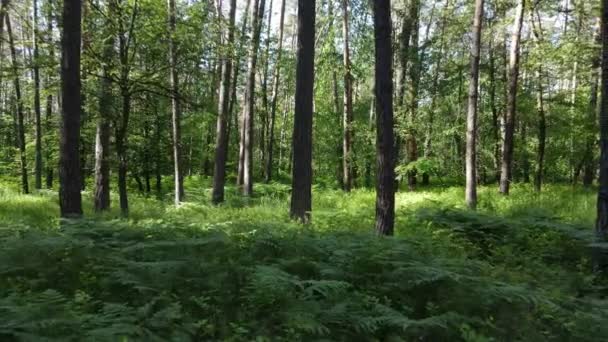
pixel 601 224
pixel 411 141
pixel 70 200
pixel 20 115
pixel 246 145
pixel 38 122
pixel 540 108
pixel 508 141
pixel 301 183
pixel 275 95
pixel 175 108
pixel 50 168
pixel 347 114
pixel 385 174
pixel 471 155
pixel 222 139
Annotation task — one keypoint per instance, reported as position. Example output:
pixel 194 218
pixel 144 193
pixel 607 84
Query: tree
pixel 222 139
pixel 601 225
pixel 347 114
pixel 540 108
pixel 508 142
pixel 301 183
pixel 175 108
pixel 246 145
pixel 37 111
pixel 385 174
pixel 70 200
pixel 471 161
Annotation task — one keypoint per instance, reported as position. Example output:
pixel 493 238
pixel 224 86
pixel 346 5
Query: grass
pixel 518 269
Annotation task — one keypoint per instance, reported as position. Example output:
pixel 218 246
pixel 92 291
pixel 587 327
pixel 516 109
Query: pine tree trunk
pixel 70 200
pixel 222 139
pixel 37 110
pixel 471 155
pixel 540 108
pixel 601 225
pixel 347 114
pixel 385 159
pixel 301 184
pixel 275 97
pixel 175 109
pixel 508 143
pixel 49 98
pixel 411 142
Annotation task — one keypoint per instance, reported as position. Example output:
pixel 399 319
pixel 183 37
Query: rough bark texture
pixel 508 141
pixel 275 96
pixel 601 225
pixel 347 114
pixel 249 108
pixel 175 110
pixel 301 184
pixel 385 161
pixel 471 155
pixel 70 201
pixel 221 143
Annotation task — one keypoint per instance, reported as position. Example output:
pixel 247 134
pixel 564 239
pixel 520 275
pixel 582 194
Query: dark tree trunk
pixel 601 225
pixel 411 141
pixel 508 143
pixel 265 113
pixel 70 200
pixel 347 114
pixel 49 98
pixel 249 108
pixel 385 183
pixel 175 109
pixel 590 166
pixel 37 110
pixel 275 97
pixel 301 184
pixel 121 151
pixel 471 155
pixel 222 139
pixel 20 124
pixel 540 108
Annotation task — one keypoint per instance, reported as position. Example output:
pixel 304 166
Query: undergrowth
pixel 518 270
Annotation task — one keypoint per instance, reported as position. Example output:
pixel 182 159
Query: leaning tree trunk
pixel 471 155
pixel 508 143
pixel 70 200
pixel 385 183
pixel 175 109
pixel 347 115
pixel 601 225
pixel 275 96
pixel 248 110
pixel 221 150
pixel 301 183
pixel 20 124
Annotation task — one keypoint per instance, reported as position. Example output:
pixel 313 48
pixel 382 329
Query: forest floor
pixel 517 270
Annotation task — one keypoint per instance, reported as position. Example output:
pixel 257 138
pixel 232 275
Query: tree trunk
pixel 385 160
pixel 508 143
pixel 221 150
pixel 49 98
pixel 301 184
pixel 540 108
pixel 590 166
pixel 36 67
pixel 175 109
pixel 248 110
pixel 347 114
pixel 20 124
pixel 471 155
pixel 70 200
pixel 275 96
pixel 601 225
pixel 414 74
pixel 102 135
pixel 265 103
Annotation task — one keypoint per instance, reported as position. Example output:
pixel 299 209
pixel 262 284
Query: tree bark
pixel 70 200
pixel 385 160
pixel 49 98
pixel 221 150
pixel 37 111
pixel 414 74
pixel 248 110
pixel 540 108
pixel 590 166
pixel 265 113
pixel 508 142
pixel 471 155
pixel 175 109
pixel 601 225
pixel 275 96
pixel 347 114
pixel 301 184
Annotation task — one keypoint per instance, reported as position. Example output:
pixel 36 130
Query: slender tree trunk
pixel 265 113
pixel 222 139
pixel 121 151
pixel 508 143
pixel 540 108
pixel 37 110
pixel 414 74
pixel 175 109
pixel 385 160
pixel 347 114
pixel 590 166
pixel 70 200
pixel 301 184
pixel 102 136
pixel 275 96
pixel 248 110
pixel 601 225
pixel 471 155
pixel 49 98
